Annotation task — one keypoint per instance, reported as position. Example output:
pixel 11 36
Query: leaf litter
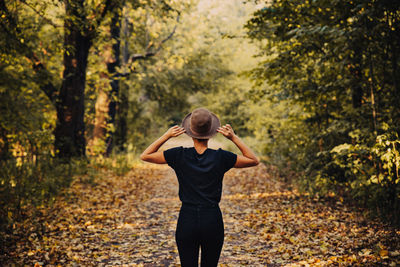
pixel 130 221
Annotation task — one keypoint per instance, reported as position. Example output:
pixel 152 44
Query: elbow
pixel 256 161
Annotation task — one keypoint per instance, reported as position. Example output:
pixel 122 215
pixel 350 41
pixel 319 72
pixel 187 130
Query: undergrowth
pixel 27 186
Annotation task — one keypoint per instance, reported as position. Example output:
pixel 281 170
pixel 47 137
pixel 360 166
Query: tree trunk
pixel 112 70
pixel 121 128
pixel 70 128
pixel 4 145
pixel 396 83
pixel 96 146
pixel 106 102
pixel 122 119
pixel 357 90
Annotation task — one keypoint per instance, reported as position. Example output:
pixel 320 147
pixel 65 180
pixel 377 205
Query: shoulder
pixel 224 152
pixel 226 156
pixel 173 151
pixel 172 155
pixel 224 159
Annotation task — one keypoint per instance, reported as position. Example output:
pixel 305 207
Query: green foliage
pixel 372 173
pixel 26 117
pixel 222 34
pixel 25 185
pixel 333 66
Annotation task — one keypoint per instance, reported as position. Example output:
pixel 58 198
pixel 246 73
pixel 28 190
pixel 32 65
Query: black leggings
pixel 199 227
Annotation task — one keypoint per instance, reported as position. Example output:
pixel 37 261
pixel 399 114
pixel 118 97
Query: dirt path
pixel 131 220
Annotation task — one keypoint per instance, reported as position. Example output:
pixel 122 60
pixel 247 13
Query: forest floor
pixel 130 220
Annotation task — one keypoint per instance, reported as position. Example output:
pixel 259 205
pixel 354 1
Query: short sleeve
pixel 228 160
pixel 171 156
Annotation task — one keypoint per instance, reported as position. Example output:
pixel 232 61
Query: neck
pixel 200 145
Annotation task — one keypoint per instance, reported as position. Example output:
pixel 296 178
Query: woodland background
pixel 313 87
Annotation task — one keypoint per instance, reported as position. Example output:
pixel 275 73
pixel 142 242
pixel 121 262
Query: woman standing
pixel 200 171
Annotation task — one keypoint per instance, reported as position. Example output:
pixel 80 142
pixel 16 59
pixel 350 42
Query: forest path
pixel 131 221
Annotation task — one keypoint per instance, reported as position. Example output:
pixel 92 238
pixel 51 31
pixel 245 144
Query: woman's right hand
pixel 227 131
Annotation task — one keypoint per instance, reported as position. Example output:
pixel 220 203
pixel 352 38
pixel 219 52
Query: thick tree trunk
pixel 70 128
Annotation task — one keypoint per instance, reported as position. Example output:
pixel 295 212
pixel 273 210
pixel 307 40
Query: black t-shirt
pixel 200 175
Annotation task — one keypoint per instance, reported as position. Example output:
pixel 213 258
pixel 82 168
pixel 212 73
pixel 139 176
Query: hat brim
pixel 215 124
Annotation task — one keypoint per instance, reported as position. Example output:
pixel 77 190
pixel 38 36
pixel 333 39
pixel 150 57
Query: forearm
pixel 246 151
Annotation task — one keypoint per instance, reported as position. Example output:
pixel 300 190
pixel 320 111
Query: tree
pixel 26 87
pixel 80 32
pixel 107 100
pixel 81 22
pixel 338 62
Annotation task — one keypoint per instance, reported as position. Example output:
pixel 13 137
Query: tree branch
pixel 44 75
pixel 169 36
pixel 142 56
pixel 148 53
pixel 41 72
pixel 49 21
pixel 108 6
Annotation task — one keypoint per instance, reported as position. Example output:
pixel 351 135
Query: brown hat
pixel 201 124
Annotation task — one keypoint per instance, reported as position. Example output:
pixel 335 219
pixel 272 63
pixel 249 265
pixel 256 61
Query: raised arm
pixel 151 154
pixel 248 159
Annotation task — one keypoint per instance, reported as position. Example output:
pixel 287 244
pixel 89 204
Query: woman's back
pixel 200 175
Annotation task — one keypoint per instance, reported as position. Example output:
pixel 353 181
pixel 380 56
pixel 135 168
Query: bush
pixel 368 174
pixel 26 185
pixel 119 164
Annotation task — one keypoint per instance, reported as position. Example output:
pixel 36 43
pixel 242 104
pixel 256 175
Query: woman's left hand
pixel 174 131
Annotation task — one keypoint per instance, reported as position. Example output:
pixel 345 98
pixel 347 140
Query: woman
pixel 200 171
